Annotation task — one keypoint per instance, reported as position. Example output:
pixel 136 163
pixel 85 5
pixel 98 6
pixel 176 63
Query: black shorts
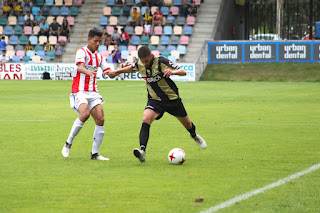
pixel 174 107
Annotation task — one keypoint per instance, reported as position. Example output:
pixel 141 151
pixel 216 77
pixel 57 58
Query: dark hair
pixel 144 51
pixel 94 32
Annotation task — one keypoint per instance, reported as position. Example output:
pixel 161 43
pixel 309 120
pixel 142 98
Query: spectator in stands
pixel 104 35
pixel 4 58
pixel 28 46
pixel 3 43
pixel 28 3
pixel 124 38
pixel 193 10
pixel 144 2
pixel 65 28
pixel 158 3
pixel 116 57
pixel 147 16
pixel 37 19
pixel 44 28
pixel 110 41
pixel 147 29
pixel 28 19
pixel 115 35
pixel 11 3
pixel 16 11
pixel 183 9
pixel 55 28
pixel 6 9
pixel 171 19
pixel 119 3
pixel 26 9
pixel 135 17
pixel 157 17
pixel 58 52
pixel 47 47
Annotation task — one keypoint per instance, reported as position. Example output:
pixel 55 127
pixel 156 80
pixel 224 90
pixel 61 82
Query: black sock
pixel 192 131
pixel 144 136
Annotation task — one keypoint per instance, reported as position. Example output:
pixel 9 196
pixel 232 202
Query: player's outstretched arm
pixel 169 72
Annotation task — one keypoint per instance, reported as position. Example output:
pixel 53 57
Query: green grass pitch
pixel 256 132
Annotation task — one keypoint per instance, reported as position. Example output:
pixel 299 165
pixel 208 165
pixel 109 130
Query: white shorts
pixel 90 98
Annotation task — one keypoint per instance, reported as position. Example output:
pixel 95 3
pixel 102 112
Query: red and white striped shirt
pixel 83 82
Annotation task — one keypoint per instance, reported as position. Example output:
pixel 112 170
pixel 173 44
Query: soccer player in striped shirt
pixel 85 98
pixel 163 95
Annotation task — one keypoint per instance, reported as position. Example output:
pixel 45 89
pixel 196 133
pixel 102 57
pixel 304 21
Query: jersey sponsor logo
pixel 173 65
pixel 90 68
pixel 153 79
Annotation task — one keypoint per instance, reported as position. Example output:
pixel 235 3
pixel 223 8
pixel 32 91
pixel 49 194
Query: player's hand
pixel 93 72
pixel 167 73
pixel 111 73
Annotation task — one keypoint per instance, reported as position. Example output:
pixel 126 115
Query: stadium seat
pixel 55 11
pixel 110 3
pixel 27 30
pixel 50 19
pixel 103 21
pixel 157 30
pixel 116 11
pixel 137 3
pixel 21 20
pixel 143 10
pixel 9 47
pixel 14 40
pixel 138 30
pixel 20 53
pixel 165 10
pixel 135 40
pixel 154 9
pixel 33 39
pixel 23 40
pixel 53 40
pixel 18 30
pixel 107 11
pixel 36 58
pixel 46 58
pixel 109 59
pixel 1 30
pixel 184 40
pixel 26 58
pixel 74 11
pixel 161 48
pixel 177 2
pixel 104 53
pixel 130 59
pixel 68 2
pixel 177 30
pixel 40 3
pixel 110 29
pixel 182 49
pixel 30 53
pixel 35 10
pixel 58 2
pixel 144 40
pixel 51 54
pixel 198 2
pixel 64 11
pixel 167 30
pixel 3 21
pixel 164 53
pixel 123 21
pixel 25 10
pixel 129 30
pixel 70 20
pixel 130 3
pixel 191 20
pixel 43 39
pixel 113 21
pixel 187 30
pixel 102 48
pixel 16 59
pixel 152 47
pixel 155 52
pixel 122 47
pixel 38 47
pixel 8 30
pixel 175 53
pixel 134 53
pixel 126 11
pixel 40 53
pixel 154 40
pixel 167 2
pixel 173 59
pixel 174 40
pixel 12 20
pixel 125 53
pixel 36 30
pixel 131 48
pixel 174 10
pixel 77 3
pixel 110 48
pixel 60 19
pixel 164 40
pixel 63 40
pixel 18 47
pixel 171 47
pixel 45 11
pixel 49 2
pixel 180 20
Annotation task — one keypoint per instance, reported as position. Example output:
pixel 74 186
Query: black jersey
pixel 159 88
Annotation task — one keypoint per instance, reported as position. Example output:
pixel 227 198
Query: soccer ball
pixel 177 156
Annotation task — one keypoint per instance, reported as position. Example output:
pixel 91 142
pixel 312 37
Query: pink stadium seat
pixel 154 9
pixel 62 39
pixel 107 11
pixel 157 30
pixel 77 3
pixel 191 20
pixel 155 52
pixel 27 30
pixel 105 53
pixel 68 2
pixel 174 10
pixel 110 48
pixel 198 2
pixel 138 30
pixel 110 30
pixel 184 40
pixel 36 30
pixel 131 48
pixel 70 20
pixel 60 19
pixel 11 53
pixel 53 40
pixel 21 53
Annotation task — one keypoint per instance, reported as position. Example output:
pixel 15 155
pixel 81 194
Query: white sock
pixel 76 127
pixel 97 138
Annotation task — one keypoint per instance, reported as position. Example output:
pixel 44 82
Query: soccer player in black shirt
pixel 163 95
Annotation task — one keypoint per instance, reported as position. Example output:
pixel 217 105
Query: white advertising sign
pixel 11 71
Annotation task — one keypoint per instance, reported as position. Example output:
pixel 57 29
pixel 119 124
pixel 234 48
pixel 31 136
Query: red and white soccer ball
pixel 177 156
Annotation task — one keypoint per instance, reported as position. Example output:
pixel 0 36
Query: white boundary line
pixel 260 190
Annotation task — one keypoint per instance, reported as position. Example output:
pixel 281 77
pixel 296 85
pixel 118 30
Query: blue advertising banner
pixel 263 51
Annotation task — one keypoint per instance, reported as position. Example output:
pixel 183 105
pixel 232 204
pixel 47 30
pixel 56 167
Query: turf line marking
pixel 260 190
